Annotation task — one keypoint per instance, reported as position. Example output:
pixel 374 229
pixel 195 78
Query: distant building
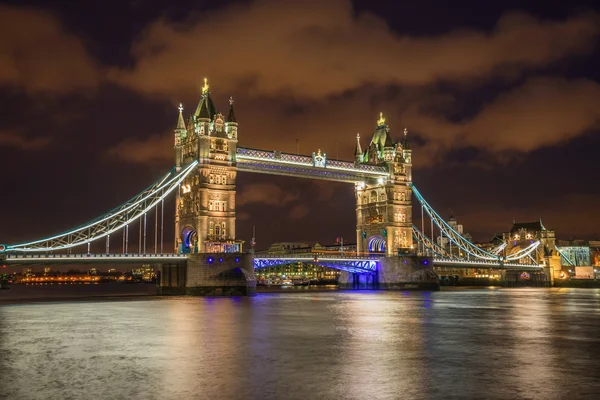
pixel 27 271
pixel 144 273
pixel 574 253
pixel 284 247
pixel 595 252
pixel 47 270
pixel 281 248
pixel 92 271
pixel 445 243
pixel 112 271
pixel 524 234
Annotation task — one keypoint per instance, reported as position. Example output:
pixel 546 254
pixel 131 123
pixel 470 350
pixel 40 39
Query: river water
pixel 457 344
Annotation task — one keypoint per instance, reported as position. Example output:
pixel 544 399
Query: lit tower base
pixel 214 274
pixel 395 273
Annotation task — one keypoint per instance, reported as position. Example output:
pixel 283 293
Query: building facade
pixel 205 204
pixel 523 234
pixel 383 207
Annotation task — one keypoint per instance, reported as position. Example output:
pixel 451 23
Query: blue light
pixel 220 259
pixel 237 259
pixel 210 260
pixel 405 262
pixel 425 262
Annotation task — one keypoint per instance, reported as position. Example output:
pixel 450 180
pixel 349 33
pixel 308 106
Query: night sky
pixel 501 101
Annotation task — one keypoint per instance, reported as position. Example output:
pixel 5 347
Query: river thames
pixel 456 344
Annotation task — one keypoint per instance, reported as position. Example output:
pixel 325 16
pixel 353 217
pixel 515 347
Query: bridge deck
pixel 278 163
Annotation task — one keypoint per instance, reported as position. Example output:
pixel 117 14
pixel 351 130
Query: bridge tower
pixel 383 207
pixel 205 204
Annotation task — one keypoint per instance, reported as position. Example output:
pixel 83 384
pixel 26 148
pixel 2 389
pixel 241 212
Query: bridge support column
pixel 354 280
pixel 407 272
pixel 210 274
pixel 395 272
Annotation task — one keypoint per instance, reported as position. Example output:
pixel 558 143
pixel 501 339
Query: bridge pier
pixel 210 274
pixel 394 273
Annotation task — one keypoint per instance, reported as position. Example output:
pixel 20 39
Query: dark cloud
pixel 265 193
pixel 38 55
pixel 12 138
pixel 155 149
pixel 299 211
pixel 321 48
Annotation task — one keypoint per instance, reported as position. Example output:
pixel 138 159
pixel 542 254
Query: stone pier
pixel 395 273
pixel 210 274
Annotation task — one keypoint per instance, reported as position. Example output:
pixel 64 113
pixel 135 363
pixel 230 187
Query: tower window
pixel 373 196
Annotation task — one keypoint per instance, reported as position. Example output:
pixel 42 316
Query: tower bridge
pixel 207 159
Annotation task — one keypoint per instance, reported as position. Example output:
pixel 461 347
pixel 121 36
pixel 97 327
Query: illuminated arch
pixel 188 240
pixel 377 244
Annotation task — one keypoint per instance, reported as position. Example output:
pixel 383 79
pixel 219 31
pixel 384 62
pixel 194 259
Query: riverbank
pixel 38 293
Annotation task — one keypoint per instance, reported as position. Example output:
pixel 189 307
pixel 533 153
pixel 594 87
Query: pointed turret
pixel 180 121
pixel 180 137
pixel 180 130
pixel 206 108
pixel 358 153
pixel 231 122
pixel 231 115
pixel 405 145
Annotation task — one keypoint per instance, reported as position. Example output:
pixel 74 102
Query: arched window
pixel 218 230
pixel 218 179
pixel 211 229
pixel 383 197
pixel 223 229
pixel 224 179
pixel 402 196
pixel 225 147
pixel 373 196
pixel 210 205
pixel 211 179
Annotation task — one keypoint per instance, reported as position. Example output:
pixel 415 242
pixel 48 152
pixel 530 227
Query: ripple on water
pixel 493 344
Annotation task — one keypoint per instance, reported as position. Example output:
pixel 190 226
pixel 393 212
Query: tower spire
pixel 358 151
pixel 206 109
pixel 231 115
pixel 381 120
pixel 180 121
pixel 405 146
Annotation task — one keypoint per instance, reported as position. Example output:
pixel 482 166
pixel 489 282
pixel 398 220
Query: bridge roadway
pixel 45 259
pixel 361 264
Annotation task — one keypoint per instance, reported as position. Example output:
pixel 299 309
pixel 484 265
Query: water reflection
pixel 493 344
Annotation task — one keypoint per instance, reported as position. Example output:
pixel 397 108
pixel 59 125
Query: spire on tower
pixel 358 150
pixel 381 120
pixel 206 108
pixel 405 146
pixel 180 122
pixel 231 115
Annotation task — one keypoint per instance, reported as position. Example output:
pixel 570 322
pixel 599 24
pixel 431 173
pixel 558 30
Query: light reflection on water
pixel 494 344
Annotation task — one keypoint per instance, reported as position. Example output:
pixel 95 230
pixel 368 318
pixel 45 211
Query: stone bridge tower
pixel 383 207
pixel 205 204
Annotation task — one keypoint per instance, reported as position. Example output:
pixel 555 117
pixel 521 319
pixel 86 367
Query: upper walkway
pixel 314 167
